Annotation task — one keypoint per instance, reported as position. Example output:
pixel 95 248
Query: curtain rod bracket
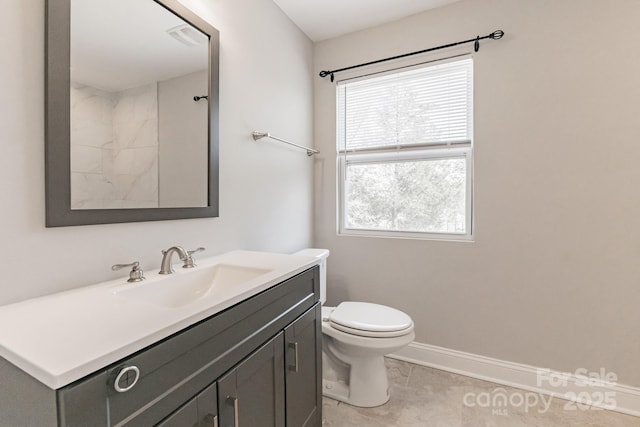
pixel 496 35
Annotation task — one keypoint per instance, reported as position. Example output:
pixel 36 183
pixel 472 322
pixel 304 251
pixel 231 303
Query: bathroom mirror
pixel 131 112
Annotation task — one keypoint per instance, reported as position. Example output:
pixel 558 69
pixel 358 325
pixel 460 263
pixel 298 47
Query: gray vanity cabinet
pixel 254 364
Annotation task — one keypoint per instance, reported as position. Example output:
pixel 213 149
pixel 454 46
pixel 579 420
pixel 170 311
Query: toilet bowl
pixel 355 338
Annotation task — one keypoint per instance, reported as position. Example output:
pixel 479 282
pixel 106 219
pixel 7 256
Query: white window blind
pixel 426 106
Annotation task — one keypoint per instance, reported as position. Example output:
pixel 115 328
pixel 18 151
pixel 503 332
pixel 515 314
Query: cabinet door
pixel 252 394
pixel 201 411
pixel 208 407
pixel 303 361
pixel 187 415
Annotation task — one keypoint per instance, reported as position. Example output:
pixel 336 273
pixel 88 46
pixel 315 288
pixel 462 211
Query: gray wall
pixel 265 190
pixel 553 277
pixel 182 140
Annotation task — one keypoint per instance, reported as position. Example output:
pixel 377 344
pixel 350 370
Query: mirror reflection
pixel 138 129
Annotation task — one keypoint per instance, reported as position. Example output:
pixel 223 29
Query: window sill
pixel 466 238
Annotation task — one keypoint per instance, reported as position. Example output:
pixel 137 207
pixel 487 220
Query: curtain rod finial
pixel 497 34
pixel 325 73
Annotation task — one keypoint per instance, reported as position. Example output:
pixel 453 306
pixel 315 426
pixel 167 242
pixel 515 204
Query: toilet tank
pixel 322 255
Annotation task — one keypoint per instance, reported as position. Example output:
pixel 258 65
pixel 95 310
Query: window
pixel 405 152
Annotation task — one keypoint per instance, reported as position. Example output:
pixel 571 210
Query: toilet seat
pixel 368 320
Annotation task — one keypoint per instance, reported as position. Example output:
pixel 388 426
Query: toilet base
pixel 367 385
pixel 338 390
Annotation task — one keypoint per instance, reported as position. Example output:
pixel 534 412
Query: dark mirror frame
pixel 57 127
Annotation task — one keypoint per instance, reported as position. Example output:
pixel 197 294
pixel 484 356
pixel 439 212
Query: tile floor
pixel 423 397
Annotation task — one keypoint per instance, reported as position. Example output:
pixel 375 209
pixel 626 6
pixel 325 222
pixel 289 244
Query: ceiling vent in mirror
pixel 187 35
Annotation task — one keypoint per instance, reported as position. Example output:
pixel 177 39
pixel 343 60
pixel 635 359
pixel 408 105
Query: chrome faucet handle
pixel 135 275
pixel 200 249
pixel 188 263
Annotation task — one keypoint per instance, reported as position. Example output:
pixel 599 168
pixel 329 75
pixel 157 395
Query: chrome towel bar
pixel 259 135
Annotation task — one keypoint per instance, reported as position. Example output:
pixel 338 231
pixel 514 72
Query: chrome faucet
pixel 135 275
pixel 185 257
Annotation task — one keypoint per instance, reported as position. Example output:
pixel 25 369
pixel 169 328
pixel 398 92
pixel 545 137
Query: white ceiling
pixel 120 44
pixel 325 19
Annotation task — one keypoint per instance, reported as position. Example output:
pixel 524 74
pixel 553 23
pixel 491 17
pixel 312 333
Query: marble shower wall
pixel 114 148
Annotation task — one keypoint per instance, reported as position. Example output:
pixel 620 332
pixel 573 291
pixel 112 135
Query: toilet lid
pixel 367 319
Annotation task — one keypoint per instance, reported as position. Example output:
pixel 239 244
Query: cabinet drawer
pixel 177 368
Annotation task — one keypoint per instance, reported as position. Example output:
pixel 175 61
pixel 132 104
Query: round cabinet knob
pixel 126 379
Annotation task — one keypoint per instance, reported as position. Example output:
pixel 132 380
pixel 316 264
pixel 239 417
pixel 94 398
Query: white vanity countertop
pixel 63 337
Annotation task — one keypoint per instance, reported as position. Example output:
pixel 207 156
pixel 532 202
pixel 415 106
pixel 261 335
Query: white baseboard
pixel 589 389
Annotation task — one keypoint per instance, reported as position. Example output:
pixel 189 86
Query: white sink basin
pixel 186 286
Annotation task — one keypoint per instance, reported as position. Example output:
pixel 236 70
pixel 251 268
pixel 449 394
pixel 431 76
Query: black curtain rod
pixel 476 46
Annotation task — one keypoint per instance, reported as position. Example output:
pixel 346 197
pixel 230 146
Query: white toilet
pixel 355 337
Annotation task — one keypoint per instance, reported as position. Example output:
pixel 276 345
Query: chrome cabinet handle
pixel 295 356
pixel 236 423
pixel 126 379
pixel 211 420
